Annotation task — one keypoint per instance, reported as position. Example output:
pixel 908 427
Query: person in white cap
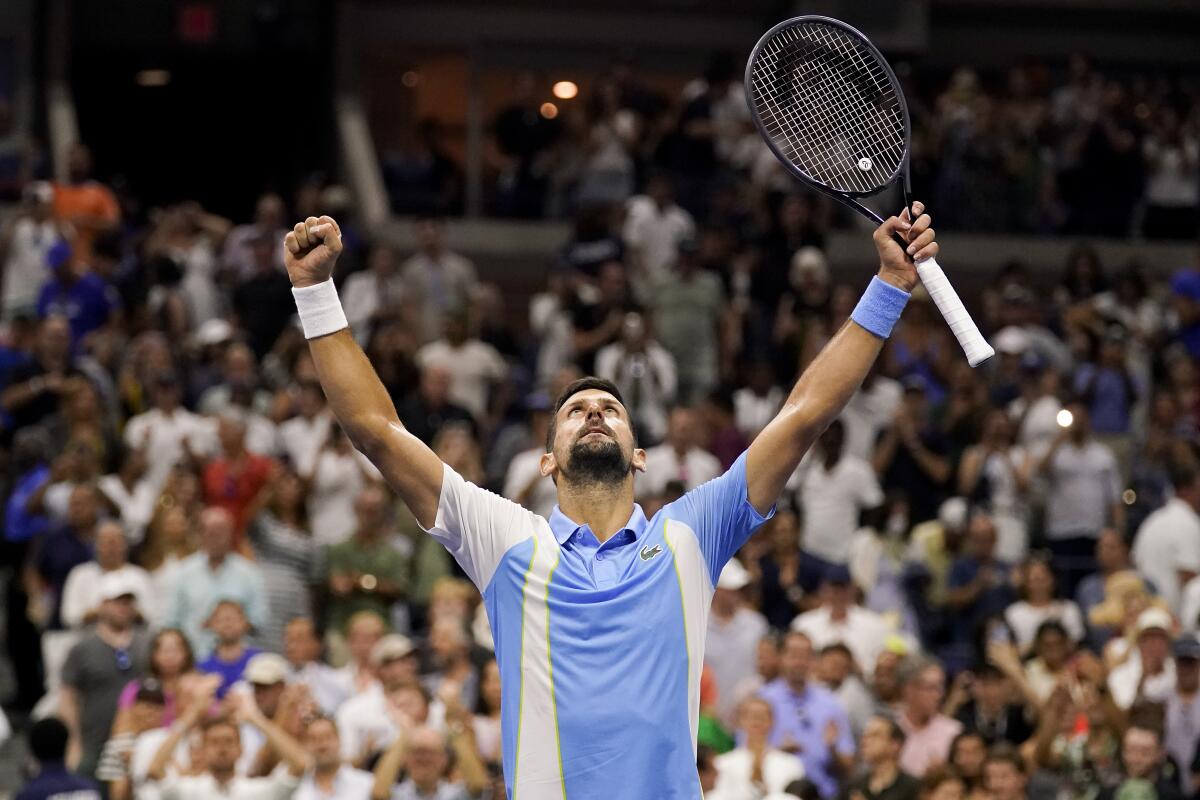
pixel 97 669
pixel 367 720
pixel 734 630
pixel 81 593
pixel 1149 671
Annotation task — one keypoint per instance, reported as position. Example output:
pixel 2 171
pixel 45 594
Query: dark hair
pixel 1007 754
pixel 226 721
pixel 804 789
pixel 1051 626
pixel 189 661
pixel 48 740
pixel 573 388
pixel 895 732
pixel 936 777
pixel 1182 475
pixel 704 757
pixel 838 647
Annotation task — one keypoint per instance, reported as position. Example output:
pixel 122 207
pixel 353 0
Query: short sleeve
pixel 478 527
pixel 720 514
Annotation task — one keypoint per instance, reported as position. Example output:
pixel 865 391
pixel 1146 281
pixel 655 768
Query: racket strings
pixel 828 104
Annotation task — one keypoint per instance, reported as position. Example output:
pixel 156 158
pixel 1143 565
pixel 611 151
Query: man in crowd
pixel 330 778
pixel 809 721
pixel 365 572
pixel 213 574
pixel 48 744
pixel 1181 725
pixel 231 654
pixel 439 279
pixel 755 768
pixel 1151 674
pixel 371 719
pixel 302 649
pixel 679 458
pixel 1166 550
pixel 839 619
pixel 880 745
pixel 928 731
pixel 98 668
pixel 81 593
pixel 734 631
pixel 1145 772
pixel 1004 776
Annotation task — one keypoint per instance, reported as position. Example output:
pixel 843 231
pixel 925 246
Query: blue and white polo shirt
pixel 600 646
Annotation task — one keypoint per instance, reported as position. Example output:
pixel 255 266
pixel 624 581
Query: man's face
pixel 362 637
pixel 593 440
pixel 877 744
pixel 1052 648
pixel 300 643
pixel 119 612
pixel 969 755
pixel 1141 753
pixel 110 546
pixel 216 533
pixel 368 508
pixel 1154 645
pixel 81 508
pixel 228 623
pixel 796 659
pixel 54 338
pixel 681 428
pixel 266 697
pixel 981 537
pixel 1110 551
pixel 1187 674
pixel 833 667
pixel 399 672
pixel 222 747
pixel 923 693
pixel 321 739
pixel 1003 780
pixel 426 756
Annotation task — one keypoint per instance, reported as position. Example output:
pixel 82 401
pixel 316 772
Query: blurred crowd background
pixel 980 583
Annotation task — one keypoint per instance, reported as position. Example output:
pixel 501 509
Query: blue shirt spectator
pixel 979 588
pixel 804 712
pixel 86 300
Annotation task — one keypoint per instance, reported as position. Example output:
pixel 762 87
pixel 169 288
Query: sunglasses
pixel 124 661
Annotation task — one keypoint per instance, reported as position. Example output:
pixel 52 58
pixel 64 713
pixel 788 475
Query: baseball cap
pixel 115 584
pixel 1011 341
pixel 836 574
pixel 391 647
pixel 266 669
pixel 953 513
pixel 1187 647
pixel 733 576
pixel 1154 619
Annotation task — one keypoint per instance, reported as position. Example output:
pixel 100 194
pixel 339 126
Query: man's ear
pixel 638 462
pixel 547 465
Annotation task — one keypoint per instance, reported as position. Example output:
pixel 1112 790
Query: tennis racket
pixel 830 108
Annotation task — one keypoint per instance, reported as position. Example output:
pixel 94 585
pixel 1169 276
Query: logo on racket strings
pixel 865 164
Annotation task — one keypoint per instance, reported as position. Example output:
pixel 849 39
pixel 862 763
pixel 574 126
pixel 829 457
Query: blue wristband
pixel 880 307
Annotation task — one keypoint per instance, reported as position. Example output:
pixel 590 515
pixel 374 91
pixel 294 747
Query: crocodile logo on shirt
pixel 650 552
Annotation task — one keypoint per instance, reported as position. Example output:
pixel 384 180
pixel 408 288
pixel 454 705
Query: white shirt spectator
pixel 1171 179
pixel 1166 543
pixel 862 631
pixel 303 438
pixel 363 721
pixel 1189 606
pixel 655 233
pixel 136 506
pixel 163 435
pixel 363 295
pixel 869 411
pixel 81 592
pixel 752 412
pixel 1024 620
pixel 439 284
pixel 277 786
pixel 1084 484
pixel 832 501
pixel 647 382
pixel 473 366
pixel 1124 680
pixel 336 481
pixel 1039 422
pixel 524 472
pixel 348 784
pixel 25 267
pixel 664 465
pixel 329 687
pixel 729 651
pixel 735 768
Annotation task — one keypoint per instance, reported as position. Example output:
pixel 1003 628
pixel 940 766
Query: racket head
pixel 829 107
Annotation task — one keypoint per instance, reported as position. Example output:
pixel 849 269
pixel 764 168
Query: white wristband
pixel 320 309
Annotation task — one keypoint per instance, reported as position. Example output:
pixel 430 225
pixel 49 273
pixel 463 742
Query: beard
pixel 596 463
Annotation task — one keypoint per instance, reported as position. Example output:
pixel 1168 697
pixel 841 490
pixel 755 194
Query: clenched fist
pixel 311 250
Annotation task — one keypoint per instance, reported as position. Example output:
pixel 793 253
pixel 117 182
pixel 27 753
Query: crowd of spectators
pixel 1040 148
pixel 979 583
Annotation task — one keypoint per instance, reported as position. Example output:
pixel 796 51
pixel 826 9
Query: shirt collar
pixel 564 527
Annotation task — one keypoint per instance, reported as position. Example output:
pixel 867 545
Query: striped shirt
pixel 600 645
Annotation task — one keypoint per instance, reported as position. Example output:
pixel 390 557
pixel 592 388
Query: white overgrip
pixel 960 322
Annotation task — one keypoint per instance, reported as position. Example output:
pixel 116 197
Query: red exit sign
pixel 197 22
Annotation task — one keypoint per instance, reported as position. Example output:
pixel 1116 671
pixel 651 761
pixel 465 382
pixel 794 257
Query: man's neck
pixel 838 612
pixel 230 651
pixel 604 509
pixel 917 720
pixel 427 787
pixel 325 775
pixel 681 450
pixel 884 775
pixel 222 776
pixel 797 686
pixel 112 635
pixel 215 562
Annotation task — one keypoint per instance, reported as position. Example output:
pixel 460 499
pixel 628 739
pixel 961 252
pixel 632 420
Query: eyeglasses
pixel 124 662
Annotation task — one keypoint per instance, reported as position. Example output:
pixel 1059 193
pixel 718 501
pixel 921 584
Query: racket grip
pixel 960 322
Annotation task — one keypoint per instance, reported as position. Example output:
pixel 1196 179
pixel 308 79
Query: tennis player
pixel 598 613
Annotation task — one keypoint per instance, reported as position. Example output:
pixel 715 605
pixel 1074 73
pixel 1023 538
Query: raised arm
pixel 837 371
pixel 356 395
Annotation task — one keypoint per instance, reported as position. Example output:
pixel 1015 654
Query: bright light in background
pixel 565 90
pixel 549 110
pixel 153 77
pixel 411 78
pixel 1065 418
